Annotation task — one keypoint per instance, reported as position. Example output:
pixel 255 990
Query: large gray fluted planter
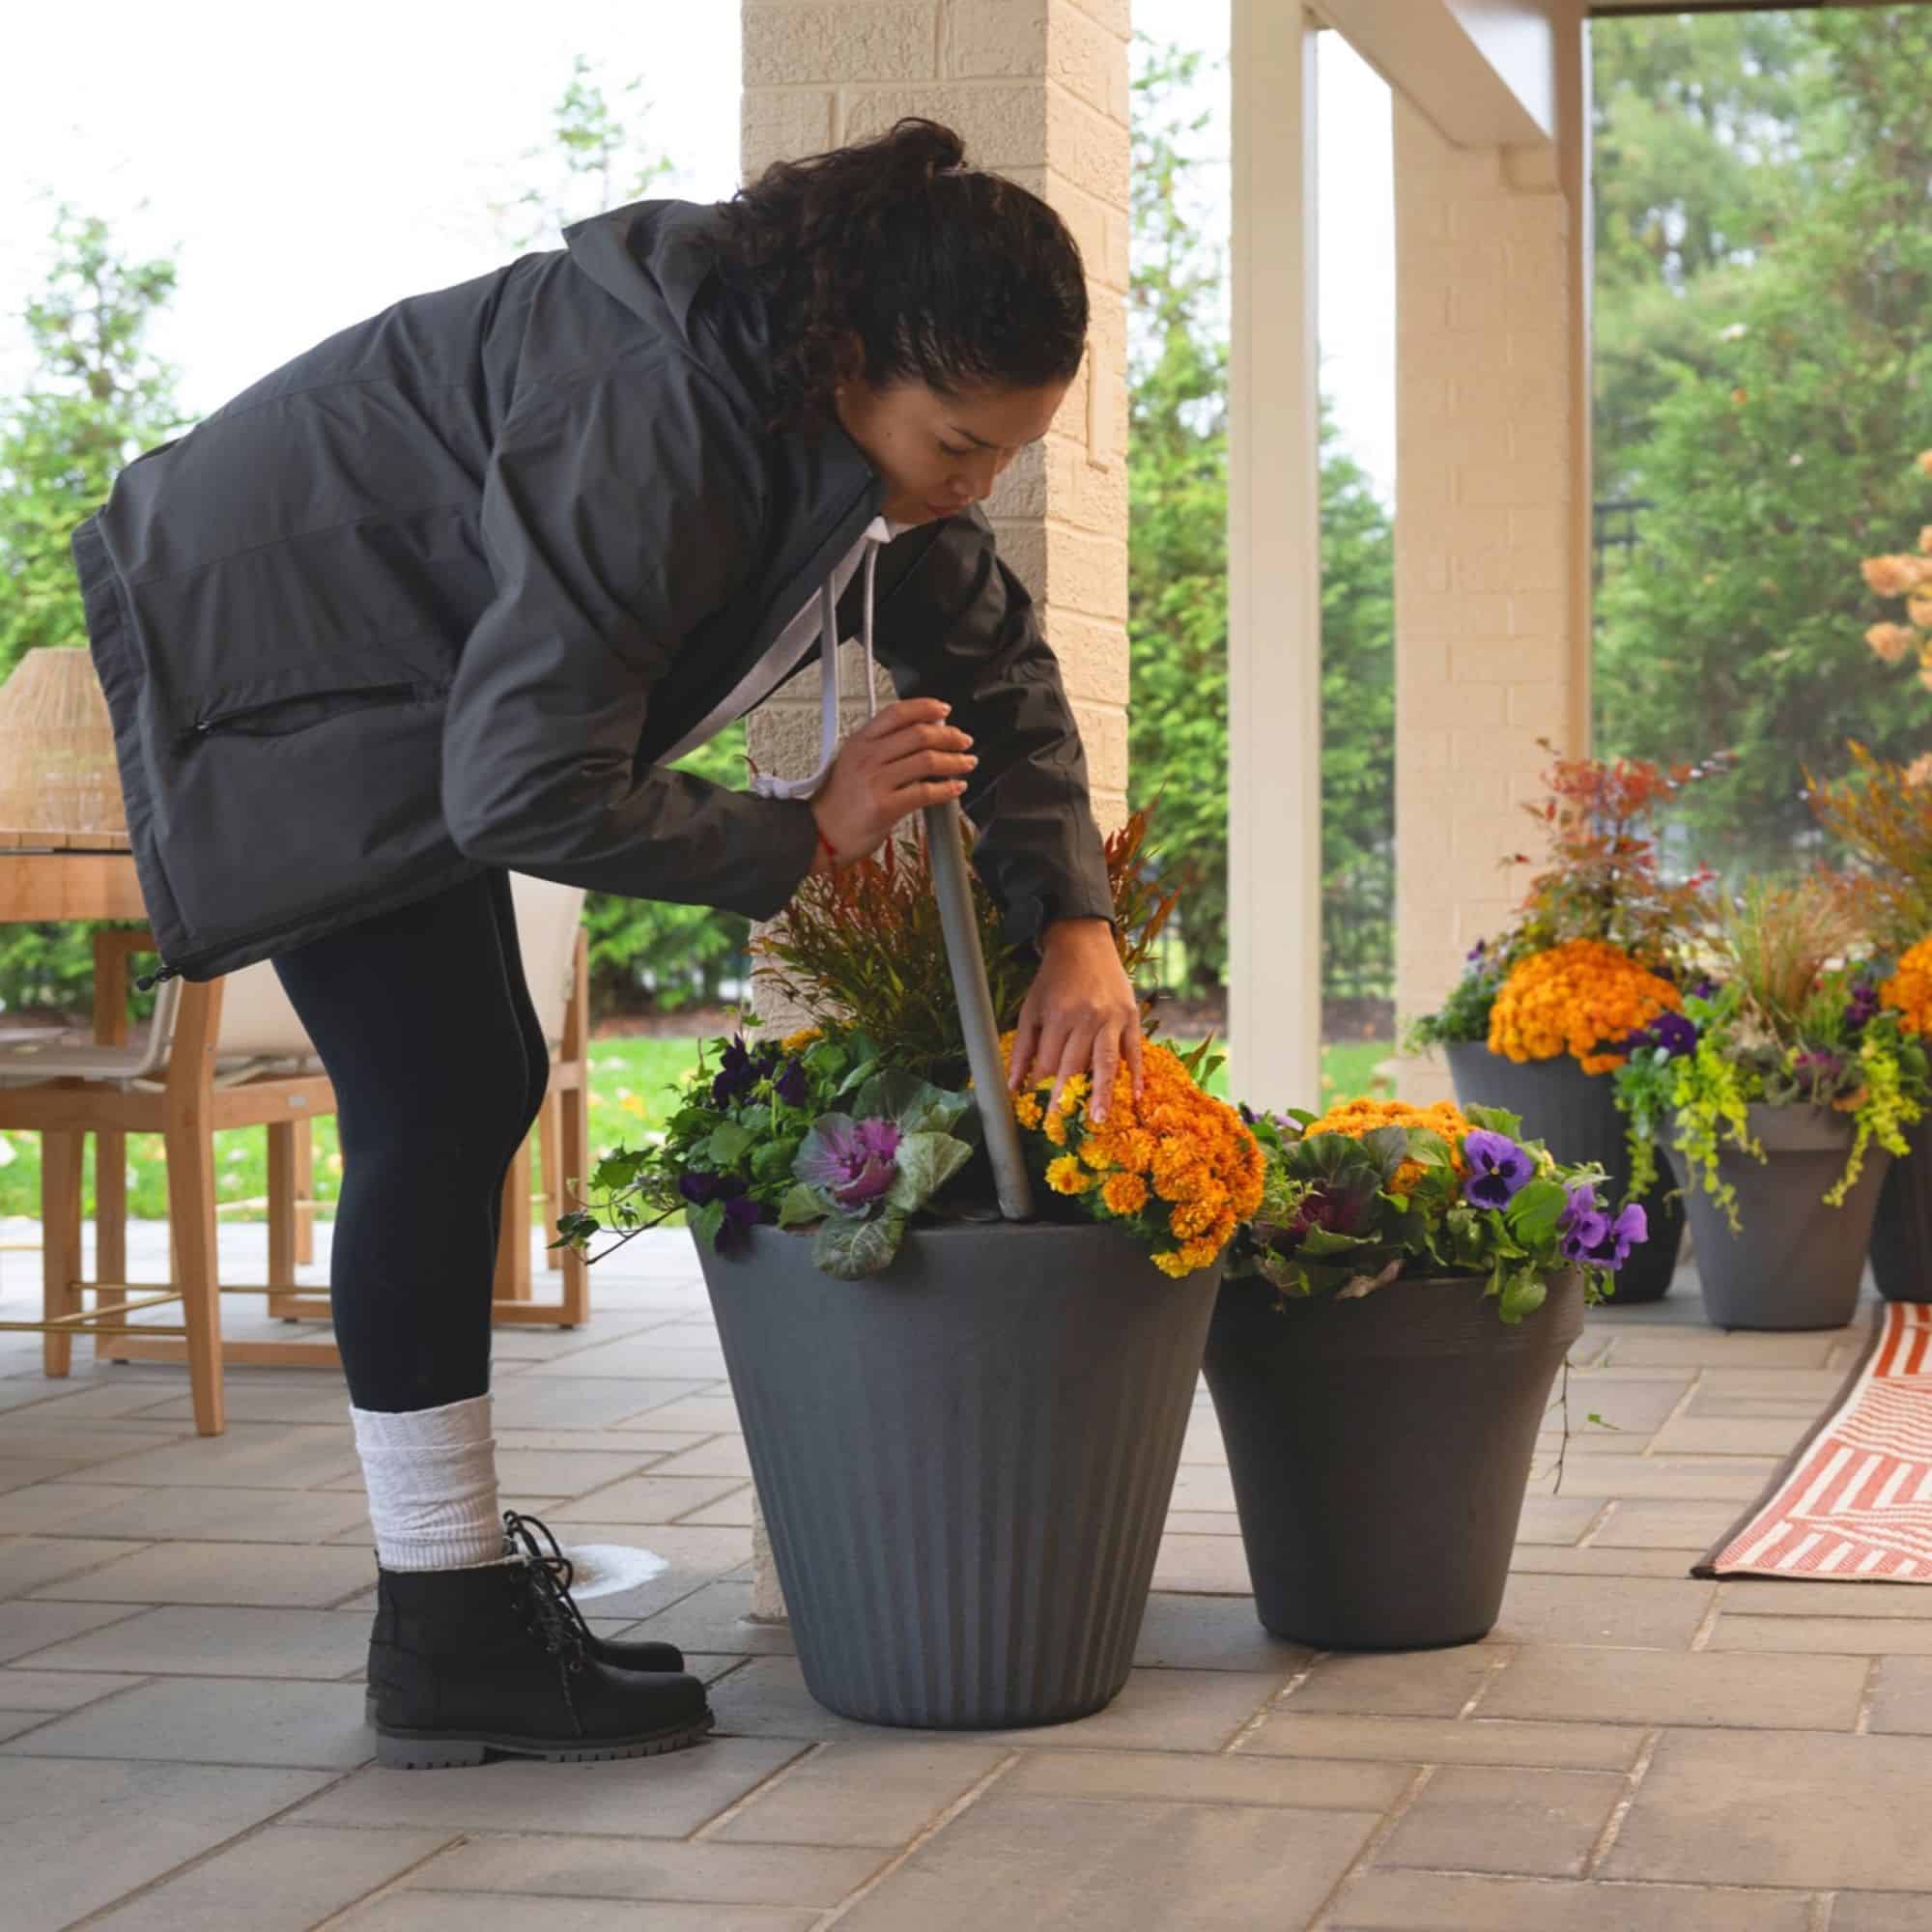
pixel 1574 1114
pixel 965 1461
pixel 1795 1262
pixel 1380 1448
pixel 1901 1237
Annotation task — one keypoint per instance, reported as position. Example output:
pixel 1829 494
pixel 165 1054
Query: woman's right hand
pixel 905 759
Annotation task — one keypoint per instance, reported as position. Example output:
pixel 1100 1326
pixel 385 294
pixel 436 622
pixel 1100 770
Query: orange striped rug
pixel 1855 1501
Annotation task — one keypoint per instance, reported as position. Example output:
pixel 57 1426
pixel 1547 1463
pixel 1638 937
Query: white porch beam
pixel 1482 72
pixel 1274 565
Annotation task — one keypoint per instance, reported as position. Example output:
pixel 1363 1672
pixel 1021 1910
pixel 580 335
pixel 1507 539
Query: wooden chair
pixel 233 1053
pixel 192 1078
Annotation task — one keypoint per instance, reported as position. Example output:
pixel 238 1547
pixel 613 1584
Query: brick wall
pixel 1485 644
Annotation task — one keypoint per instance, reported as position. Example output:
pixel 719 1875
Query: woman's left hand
pixel 1080 1013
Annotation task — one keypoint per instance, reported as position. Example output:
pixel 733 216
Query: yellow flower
pixel 1066 1175
pixel 1909 990
pixel 1926 461
pixel 1025 1111
pixel 1124 1193
pixel 797 1043
pixel 1576 998
pixel 1925 540
pixel 1919 608
pixel 1920 770
pixel 1055 1128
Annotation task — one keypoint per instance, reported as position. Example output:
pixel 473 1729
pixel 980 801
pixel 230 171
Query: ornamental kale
pixel 812 1130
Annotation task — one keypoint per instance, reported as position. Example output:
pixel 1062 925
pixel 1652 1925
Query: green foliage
pixel 1341 1217
pixel 1829 1049
pixel 96 398
pixel 1177 594
pixel 1464 1017
pixel 646 953
pixel 822 1134
pixel 1696 129
pixel 597 159
pixel 1778 457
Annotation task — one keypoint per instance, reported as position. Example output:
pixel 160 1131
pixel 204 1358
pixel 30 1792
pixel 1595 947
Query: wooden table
pixel 58 875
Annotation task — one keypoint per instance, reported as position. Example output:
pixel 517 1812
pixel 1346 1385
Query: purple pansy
pixel 1596 1237
pixel 852 1160
pixel 1862 1009
pixel 741 1211
pixel 1498 1169
pixel 1675 1033
pixel 740 1069
pixel 791 1085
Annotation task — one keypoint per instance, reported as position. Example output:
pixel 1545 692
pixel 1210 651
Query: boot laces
pixel 554 1615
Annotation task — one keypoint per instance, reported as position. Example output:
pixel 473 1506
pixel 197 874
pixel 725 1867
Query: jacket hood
pixel 661 259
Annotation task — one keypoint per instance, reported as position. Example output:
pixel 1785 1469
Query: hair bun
pixel 923 148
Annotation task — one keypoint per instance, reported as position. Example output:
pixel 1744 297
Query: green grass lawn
pixel 629 1079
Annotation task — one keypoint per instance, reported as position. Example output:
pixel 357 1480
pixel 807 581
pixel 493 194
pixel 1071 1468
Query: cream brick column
pixel 1490 571
pixel 1038 89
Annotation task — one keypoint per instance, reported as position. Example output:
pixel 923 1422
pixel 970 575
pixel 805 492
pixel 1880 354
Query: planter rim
pixel 1554 1279
pixel 1483 1046
pixel 1796 1126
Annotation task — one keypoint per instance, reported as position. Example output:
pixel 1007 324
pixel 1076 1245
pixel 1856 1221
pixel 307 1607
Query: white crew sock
pixel 431 1480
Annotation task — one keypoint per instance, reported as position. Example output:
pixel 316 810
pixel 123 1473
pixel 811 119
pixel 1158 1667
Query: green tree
pixel 1177 593
pixel 96 398
pixel 1695 124
pixel 597 158
pixel 1781 458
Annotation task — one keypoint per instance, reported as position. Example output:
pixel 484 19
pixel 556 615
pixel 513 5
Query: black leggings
pixel 425 1025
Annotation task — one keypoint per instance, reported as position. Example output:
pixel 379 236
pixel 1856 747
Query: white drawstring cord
pixel 764 783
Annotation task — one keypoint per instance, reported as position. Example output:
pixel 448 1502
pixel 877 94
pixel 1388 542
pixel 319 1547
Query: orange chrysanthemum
pixel 1910 989
pixel 1172 1155
pixel 1576 998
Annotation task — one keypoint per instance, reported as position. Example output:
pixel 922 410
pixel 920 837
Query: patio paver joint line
pixel 1375 1841
pixel 1613 1824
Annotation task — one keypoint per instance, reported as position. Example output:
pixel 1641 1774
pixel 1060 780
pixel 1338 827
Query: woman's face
pixel 937 452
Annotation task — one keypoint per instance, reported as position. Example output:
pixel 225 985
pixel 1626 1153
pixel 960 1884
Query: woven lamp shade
pixel 57 771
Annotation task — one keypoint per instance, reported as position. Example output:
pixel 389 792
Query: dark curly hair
pixel 942 273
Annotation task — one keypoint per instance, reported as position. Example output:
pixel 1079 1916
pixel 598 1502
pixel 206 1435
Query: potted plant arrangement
pixel 1545 1013
pixel 1882 811
pixel 1381 1356
pixel 1781 1099
pixel 964 1429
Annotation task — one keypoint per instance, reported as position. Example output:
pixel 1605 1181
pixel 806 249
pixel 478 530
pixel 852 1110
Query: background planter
pixel 1796 1264
pixel 1901 1237
pixel 965 1462
pixel 1379 1450
pixel 1574 1114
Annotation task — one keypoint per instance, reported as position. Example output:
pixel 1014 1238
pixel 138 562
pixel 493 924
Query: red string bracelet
pixel 827 843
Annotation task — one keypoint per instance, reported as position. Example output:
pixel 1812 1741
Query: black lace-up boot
pixel 520 1542
pixel 470 1661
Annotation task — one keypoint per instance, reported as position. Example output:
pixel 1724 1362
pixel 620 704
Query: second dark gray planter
pixel 1795 1262
pixel 1901 1237
pixel 1574 1114
pixel 965 1461
pixel 1379 1450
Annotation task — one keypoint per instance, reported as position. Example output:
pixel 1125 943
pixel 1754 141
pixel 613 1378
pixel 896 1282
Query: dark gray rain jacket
pixel 440 594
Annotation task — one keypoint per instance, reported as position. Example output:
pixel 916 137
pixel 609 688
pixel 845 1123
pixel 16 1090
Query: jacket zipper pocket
pixel 302 710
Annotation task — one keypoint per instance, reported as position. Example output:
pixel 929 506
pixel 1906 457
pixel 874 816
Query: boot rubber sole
pixel 439 1750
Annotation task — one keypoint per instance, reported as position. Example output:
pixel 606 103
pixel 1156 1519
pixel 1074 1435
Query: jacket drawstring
pixel 763 783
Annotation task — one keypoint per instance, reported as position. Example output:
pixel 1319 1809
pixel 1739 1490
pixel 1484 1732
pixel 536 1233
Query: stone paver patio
pixel 182 1625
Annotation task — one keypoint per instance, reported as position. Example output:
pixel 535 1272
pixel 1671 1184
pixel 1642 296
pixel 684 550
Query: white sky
pixel 310 169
